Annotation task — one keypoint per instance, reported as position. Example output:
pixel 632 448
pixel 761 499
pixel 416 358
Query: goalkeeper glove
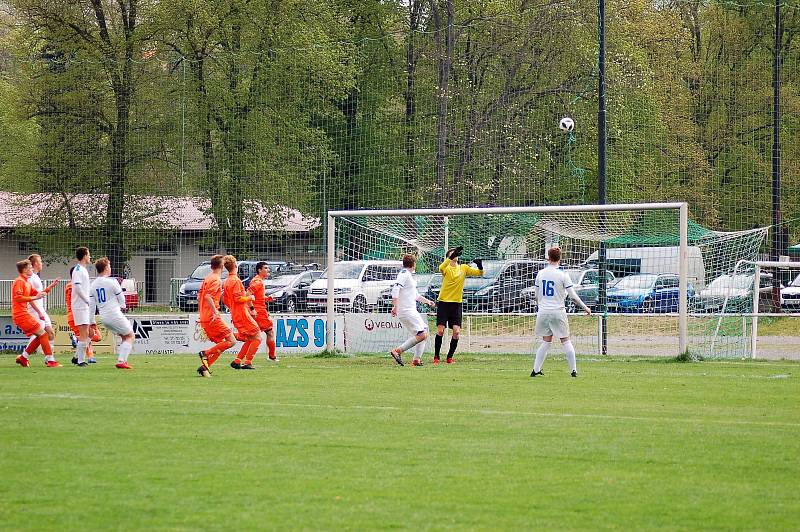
pixel 479 263
pixel 456 252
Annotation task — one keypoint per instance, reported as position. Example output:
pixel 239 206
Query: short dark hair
pixel 33 257
pixel 409 260
pixel 554 254
pixel 81 252
pixel 101 264
pixel 260 265
pixel 216 262
pixel 21 265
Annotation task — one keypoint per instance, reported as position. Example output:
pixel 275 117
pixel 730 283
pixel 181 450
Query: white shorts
pixel 82 316
pixel 413 323
pixel 552 323
pixel 46 322
pixel 117 324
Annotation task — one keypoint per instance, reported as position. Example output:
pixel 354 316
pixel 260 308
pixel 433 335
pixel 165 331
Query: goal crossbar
pixel 511 210
pixel 681 207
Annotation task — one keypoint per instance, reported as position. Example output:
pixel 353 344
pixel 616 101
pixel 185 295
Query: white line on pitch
pixel 488 412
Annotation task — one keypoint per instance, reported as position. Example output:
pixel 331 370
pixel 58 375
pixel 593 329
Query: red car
pixel 130 292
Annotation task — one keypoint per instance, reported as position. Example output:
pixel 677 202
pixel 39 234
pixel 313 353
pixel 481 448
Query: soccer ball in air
pixel 567 124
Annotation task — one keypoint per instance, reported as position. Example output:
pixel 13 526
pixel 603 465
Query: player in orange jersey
pixel 22 295
pixel 94 332
pixel 210 320
pixel 260 305
pixel 238 302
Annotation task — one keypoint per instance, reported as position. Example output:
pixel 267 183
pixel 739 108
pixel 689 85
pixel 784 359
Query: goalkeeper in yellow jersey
pixel 451 296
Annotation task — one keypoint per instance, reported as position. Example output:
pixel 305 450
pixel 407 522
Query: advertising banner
pixel 12 339
pixel 373 333
pixel 169 334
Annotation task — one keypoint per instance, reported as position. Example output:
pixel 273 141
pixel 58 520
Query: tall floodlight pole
pixel 601 172
pixel 777 229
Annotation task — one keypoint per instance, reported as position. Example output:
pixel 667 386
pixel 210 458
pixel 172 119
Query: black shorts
pixel 448 313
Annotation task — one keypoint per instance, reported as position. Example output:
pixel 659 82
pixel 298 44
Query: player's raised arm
pixel 475 272
pixel 51 286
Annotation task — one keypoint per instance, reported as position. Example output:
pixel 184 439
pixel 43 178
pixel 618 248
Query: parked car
pixel 501 286
pixel 187 293
pixel 247 269
pixel 290 290
pixel 666 259
pixel 647 292
pixel 790 295
pixel 357 285
pixel 586 284
pixel 423 283
pixel 130 292
pixel 738 289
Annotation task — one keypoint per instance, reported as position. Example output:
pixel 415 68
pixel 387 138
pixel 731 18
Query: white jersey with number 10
pixel 106 295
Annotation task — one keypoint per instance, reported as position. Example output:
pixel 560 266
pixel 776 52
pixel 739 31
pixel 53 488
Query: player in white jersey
pixel 107 297
pixel 40 312
pixel 404 306
pixel 552 287
pixel 81 310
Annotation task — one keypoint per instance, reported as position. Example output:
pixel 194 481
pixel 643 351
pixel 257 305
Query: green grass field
pixel 330 443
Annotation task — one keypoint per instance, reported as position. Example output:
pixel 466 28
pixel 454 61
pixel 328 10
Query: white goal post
pixel 602 211
pixel 756 276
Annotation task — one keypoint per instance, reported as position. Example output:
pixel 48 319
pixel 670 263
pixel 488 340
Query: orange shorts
pixel 94 332
pixel 29 325
pixel 246 325
pixel 264 322
pixel 216 330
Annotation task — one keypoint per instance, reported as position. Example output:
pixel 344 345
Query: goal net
pixel 640 268
pixel 756 307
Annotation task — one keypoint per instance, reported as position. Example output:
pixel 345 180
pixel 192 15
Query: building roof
pixel 182 213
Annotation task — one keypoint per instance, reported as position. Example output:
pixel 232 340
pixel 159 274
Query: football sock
pixel 569 350
pixel 271 347
pixel 47 349
pixel 453 345
pixel 251 352
pixel 214 353
pixel 437 346
pixel 81 351
pixel 419 350
pixel 124 351
pixel 33 345
pixel 244 350
pixel 541 355
pixel 30 342
pixel 49 358
pixel 89 350
pixel 408 344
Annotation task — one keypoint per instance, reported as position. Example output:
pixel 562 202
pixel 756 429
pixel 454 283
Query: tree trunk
pixel 443 31
pixel 414 11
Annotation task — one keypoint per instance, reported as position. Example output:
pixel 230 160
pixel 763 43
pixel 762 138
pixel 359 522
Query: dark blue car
pixel 647 292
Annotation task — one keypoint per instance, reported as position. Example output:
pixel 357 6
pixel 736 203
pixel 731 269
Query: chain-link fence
pixel 163 132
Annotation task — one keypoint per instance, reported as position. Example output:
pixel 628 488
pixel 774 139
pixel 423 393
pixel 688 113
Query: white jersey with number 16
pixel 551 288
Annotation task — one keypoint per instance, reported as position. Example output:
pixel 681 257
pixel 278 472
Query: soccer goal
pixel 766 292
pixel 639 267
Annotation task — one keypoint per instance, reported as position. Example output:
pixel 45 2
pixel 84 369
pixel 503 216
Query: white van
pixel 628 261
pixel 357 286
